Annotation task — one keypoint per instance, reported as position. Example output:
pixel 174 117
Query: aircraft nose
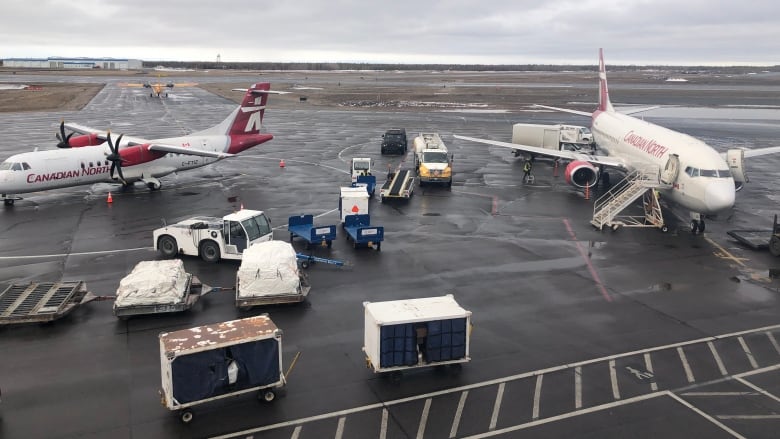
pixel 719 195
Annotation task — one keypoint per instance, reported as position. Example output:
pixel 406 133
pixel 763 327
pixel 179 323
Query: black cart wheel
pixel 664 228
pixel 329 243
pixel 267 395
pixel 209 251
pixel 186 416
pixel 167 246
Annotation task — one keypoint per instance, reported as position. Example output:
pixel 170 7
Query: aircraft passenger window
pixel 26 166
pixel 90 164
pixel 17 167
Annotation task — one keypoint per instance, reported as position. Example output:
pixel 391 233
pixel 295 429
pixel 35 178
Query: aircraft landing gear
pixel 152 183
pixel 8 201
pixel 697 226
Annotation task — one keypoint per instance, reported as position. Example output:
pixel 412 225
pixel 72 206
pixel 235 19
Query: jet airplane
pixel 94 156
pixel 691 173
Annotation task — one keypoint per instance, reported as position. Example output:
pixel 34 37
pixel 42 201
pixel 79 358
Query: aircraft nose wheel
pixel 697 226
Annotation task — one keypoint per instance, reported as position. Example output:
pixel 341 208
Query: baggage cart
pixel 362 233
pixel 269 274
pixel 41 302
pixel 303 226
pixel 212 362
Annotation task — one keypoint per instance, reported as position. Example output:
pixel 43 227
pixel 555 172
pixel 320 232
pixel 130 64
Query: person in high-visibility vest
pixel 526 170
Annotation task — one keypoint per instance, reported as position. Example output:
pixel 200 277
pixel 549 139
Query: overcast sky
pixel 400 31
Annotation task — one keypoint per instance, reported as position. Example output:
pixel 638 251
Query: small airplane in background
pixel 158 89
pixel 692 174
pixel 87 156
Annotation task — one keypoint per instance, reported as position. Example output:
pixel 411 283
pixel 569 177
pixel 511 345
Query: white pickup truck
pixel 214 238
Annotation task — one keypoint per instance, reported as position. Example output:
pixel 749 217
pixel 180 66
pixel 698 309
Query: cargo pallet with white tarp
pixel 155 287
pixel 405 334
pixel 269 274
pixel 212 362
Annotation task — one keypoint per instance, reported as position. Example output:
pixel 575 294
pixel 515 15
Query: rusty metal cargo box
pixel 215 361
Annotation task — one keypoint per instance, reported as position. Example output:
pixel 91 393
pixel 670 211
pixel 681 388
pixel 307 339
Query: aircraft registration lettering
pixel 61 175
pixel 649 146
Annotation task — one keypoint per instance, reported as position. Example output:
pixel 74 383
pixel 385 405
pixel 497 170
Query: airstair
pixel 642 182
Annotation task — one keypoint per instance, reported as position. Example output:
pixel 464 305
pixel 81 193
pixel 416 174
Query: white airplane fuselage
pixel 703 184
pixel 59 168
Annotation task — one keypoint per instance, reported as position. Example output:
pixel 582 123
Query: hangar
pixel 74 63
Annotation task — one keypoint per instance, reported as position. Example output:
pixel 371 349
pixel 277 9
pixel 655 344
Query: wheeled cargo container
pixel 404 334
pixel 211 362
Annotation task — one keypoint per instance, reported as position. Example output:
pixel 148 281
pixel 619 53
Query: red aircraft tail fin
pixel 604 103
pixel 249 117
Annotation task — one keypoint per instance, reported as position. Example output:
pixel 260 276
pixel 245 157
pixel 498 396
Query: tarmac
pixel 577 332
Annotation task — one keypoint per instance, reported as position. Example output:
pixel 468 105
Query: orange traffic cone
pixel 281 163
pixel 109 200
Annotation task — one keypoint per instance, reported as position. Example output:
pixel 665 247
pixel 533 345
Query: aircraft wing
pixel 567 155
pixel 82 129
pixel 566 110
pixel 759 151
pixel 638 110
pixel 188 151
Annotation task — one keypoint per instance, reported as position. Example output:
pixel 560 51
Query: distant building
pixel 74 63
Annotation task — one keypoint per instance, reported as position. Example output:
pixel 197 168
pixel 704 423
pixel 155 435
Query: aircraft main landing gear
pixel 697 226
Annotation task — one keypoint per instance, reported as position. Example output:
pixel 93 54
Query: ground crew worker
pixel 526 171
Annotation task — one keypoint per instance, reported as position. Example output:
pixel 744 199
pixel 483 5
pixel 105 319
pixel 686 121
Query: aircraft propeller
pixel 115 158
pixel 64 140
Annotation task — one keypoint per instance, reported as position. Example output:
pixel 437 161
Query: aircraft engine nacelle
pixel 84 140
pixel 135 155
pixel 581 174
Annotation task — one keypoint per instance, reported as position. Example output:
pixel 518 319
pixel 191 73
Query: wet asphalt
pixel 578 332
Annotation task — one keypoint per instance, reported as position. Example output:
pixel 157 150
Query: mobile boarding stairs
pixel 641 182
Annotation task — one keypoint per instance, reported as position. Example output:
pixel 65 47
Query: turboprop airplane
pixel 692 173
pixel 93 156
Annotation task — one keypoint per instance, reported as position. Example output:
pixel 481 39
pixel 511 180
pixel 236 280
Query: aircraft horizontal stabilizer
pixel 273 92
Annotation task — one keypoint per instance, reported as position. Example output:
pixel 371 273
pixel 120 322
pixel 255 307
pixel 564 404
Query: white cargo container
pixel 556 137
pixel 211 362
pixel 404 334
pixel 353 201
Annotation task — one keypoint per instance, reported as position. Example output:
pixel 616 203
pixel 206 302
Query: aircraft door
pixel 672 168
pixel 736 161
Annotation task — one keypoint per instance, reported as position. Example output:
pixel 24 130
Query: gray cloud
pixel 458 31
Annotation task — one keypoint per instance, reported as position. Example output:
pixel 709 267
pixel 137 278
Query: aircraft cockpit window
pixel 5 166
pixel 693 172
pixel 26 166
pixel 724 173
pixel 17 167
pixel 709 173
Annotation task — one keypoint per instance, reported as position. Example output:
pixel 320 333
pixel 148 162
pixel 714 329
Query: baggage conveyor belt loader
pixel 399 184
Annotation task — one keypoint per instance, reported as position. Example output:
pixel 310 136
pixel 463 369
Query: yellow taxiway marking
pixel 725 254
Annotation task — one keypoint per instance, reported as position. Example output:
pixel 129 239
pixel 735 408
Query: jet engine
pixel 581 174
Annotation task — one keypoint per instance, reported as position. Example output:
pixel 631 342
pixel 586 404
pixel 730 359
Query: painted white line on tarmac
pixel 613 378
pixel 578 387
pixel 593 409
pixel 649 367
pixel 340 428
pixel 537 396
pixel 424 419
pixel 686 366
pixel 757 389
pixel 61 255
pixel 748 352
pixel 774 342
pixel 383 428
pixel 497 406
pixel 706 416
pixel 716 356
pixel 719 394
pixel 297 432
pixel 458 414
pixel 749 417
